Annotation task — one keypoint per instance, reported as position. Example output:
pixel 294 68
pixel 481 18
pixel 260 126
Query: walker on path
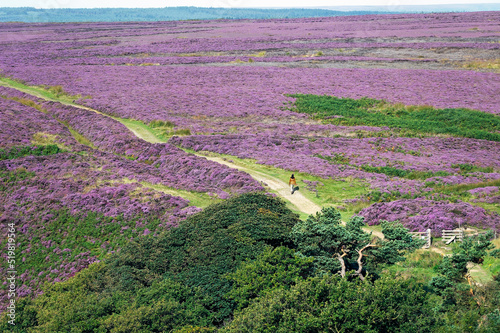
pixel 292 182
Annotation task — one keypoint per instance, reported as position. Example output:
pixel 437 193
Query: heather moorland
pixel 144 169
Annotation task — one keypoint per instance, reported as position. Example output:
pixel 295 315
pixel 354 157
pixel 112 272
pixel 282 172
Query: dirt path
pixel 283 190
pixel 478 274
pixel 297 199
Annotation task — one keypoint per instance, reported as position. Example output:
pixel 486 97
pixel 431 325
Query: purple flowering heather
pixel 421 214
pixel 226 82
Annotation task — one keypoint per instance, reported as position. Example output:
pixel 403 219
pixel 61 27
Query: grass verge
pixel 330 192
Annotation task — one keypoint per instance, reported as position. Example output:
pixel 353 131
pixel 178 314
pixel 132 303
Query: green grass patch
pixel 197 199
pixel 466 168
pixel 424 119
pixel 481 273
pixel 409 174
pixel 44 139
pixel 422 275
pixel 461 188
pixel 53 93
pixel 164 130
pixel 21 151
pixel 492 265
pixel 330 192
pixel 487 206
pixel 419 265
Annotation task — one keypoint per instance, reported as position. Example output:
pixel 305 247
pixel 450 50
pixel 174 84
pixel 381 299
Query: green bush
pixel 214 242
pixel 171 281
pixel 331 304
pixel 278 268
pixel 20 151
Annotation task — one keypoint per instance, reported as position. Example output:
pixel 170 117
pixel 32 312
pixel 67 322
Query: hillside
pixel 144 172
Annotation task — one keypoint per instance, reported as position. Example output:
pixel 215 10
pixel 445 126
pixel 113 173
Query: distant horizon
pixel 338 8
pixel 250 4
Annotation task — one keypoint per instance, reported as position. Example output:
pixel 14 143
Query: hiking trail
pixel 283 189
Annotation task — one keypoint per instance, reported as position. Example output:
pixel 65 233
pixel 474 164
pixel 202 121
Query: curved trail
pixel 280 187
pixel 297 199
pixel 283 190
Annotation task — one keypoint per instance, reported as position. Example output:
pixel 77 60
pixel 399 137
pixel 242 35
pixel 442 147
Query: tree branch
pixel 360 258
pixel 342 262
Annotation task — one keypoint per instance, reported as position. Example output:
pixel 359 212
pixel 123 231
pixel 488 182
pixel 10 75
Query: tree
pixel 278 268
pixel 339 248
pixel 467 305
pixel 171 281
pixel 333 304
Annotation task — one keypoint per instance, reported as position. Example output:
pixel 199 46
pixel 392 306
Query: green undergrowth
pixel 21 151
pixel 9 177
pixel 424 119
pixel 247 264
pixel 158 284
pixel 166 129
pixel 419 265
pixel 463 188
pixel 61 237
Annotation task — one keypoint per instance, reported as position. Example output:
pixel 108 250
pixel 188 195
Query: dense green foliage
pixel 20 151
pixel 339 248
pixel 273 269
pixel 155 284
pixel 467 307
pixel 331 304
pixel 213 243
pixel 424 119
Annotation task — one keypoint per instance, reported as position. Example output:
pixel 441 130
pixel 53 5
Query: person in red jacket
pixel 292 182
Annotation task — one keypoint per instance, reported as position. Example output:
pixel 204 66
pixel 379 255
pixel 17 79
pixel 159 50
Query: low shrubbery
pixel 20 151
pixel 425 119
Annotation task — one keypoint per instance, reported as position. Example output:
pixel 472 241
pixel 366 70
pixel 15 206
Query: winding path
pixel 283 189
